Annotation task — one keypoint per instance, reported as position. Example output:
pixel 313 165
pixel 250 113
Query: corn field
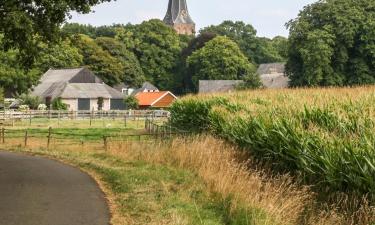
pixel 325 137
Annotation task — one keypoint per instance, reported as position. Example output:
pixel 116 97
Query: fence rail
pixel 10 118
pixel 153 131
pixel 82 114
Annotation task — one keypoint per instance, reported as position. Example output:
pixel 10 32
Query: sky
pixel 267 16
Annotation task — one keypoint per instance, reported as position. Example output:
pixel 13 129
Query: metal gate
pixel 83 104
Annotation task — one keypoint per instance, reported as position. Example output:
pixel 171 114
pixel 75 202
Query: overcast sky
pixel 267 16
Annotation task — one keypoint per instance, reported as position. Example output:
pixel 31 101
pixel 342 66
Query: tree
pixel 32 101
pixel 57 104
pixel 105 66
pixel 131 102
pixel 132 74
pixel 25 22
pixel 13 77
pixel 257 50
pixel 60 55
pixel 70 29
pixel 183 77
pixel 221 59
pixel 281 45
pixel 157 48
pixel 332 42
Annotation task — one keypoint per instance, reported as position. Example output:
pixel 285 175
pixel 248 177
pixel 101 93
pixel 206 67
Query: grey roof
pixel 271 68
pixel 145 86
pixel 211 86
pixel 178 13
pixel 73 83
pixel 275 81
pixel 273 75
pixel 87 90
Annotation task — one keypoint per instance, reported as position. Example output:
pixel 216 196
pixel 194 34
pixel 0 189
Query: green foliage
pixel 281 45
pixel 132 74
pixel 221 59
pixel 1 96
pixel 100 103
pixel 110 69
pixel 13 78
pixel 57 104
pixel 157 48
pixel 333 43
pixel 60 55
pixel 257 50
pixel 131 102
pixel 22 21
pixel 71 29
pixel 32 101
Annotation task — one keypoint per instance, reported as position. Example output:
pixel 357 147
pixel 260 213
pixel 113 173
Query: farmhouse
pixel 158 99
pixel 79 88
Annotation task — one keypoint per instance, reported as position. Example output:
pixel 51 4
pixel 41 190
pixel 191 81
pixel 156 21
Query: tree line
pixel 331 42
pixel 150 51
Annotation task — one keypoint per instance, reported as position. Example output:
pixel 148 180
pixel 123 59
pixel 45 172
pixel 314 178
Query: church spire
pixel 178 17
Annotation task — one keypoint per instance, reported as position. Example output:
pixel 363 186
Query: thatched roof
pixel 73 83
pixel 211 86
pixel 271 68
pixel 93 90
pixel 273 75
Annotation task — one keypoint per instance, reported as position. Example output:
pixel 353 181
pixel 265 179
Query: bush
pixel 42 107
pixel 24 108
pixel 57 104
pixel 131 102
pixel 32 101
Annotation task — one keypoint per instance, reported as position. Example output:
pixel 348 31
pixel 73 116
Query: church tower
pixel 178 17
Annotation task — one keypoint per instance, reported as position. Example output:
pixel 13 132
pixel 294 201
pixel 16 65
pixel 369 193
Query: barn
pixel 79 89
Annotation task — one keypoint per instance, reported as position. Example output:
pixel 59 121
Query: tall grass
pixel 261 197
pixel 324 136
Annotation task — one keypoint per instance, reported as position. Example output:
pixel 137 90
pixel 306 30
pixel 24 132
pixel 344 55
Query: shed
pixel 161 99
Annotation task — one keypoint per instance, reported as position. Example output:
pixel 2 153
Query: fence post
pixel 49 137
pixel 58 118
pixel 125 120
pixel 12 116
pixel 3 134
pixel 26 136
pixel 91 114
pixel 30 118
pixel 105 143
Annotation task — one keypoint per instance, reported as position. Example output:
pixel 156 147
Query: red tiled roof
pixel 150 98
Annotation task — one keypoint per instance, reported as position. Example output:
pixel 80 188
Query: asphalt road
pixel 39 191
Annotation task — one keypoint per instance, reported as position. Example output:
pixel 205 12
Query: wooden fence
pixel 9 118
pixel 153 131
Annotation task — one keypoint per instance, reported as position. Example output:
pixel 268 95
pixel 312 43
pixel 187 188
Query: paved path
pixel 39 191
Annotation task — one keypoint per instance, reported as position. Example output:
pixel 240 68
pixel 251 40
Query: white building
pixel 79 88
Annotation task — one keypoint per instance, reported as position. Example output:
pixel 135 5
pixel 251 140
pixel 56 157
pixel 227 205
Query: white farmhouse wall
pixel 72 104
pixel 107 104
pixel 94 104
